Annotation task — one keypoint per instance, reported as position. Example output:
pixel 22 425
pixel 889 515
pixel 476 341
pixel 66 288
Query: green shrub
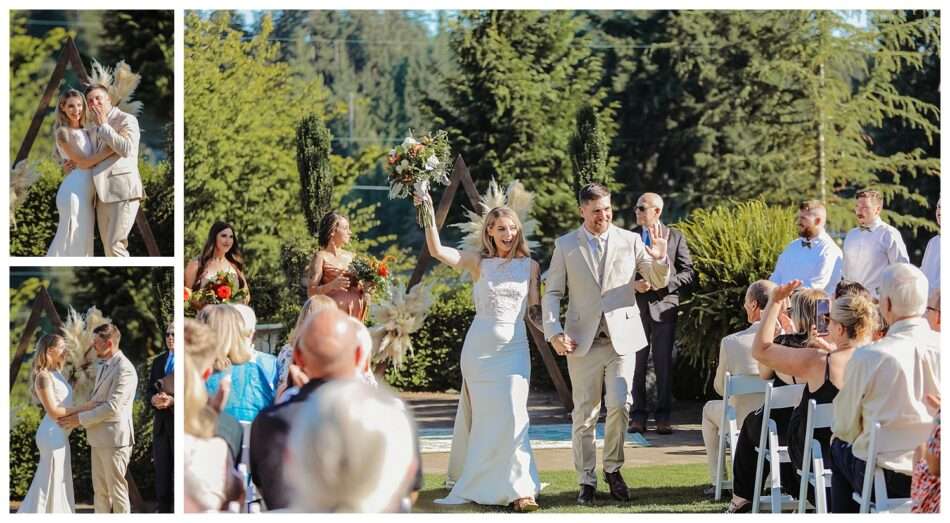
pixel 37 217
pixel 732 246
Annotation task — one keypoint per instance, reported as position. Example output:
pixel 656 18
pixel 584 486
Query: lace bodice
pixel 79 138
pixel 501 292
pixel 62 392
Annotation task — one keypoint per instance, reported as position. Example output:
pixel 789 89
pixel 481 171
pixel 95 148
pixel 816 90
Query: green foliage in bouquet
pixel 732 245
pixel 373 273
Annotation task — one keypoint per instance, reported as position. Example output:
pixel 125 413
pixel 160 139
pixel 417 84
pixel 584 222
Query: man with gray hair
pixel 735 357
pixel 933 310
pixel 813 257
pixel 886 382
pixel 658 307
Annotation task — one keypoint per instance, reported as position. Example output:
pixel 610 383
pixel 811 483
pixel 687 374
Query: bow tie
pixel 865 228
pixel 806 243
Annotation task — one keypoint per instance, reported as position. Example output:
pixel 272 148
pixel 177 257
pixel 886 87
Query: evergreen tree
pixel 589 150
pixel 522 76
pixel 313 164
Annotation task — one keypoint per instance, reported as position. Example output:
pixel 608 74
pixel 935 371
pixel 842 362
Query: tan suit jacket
pixel 117 177
pixel 735 357
pixel 572 273
pixel 110 423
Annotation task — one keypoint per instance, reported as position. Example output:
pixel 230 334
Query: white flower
pixel 409 141
pixel 432 162
pixel 403 165
pixel 421 188
pixel 396 190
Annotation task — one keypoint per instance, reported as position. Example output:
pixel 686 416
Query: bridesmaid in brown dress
pixel 329 272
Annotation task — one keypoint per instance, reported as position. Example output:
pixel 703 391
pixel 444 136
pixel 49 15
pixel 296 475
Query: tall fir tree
pixel 313 165
pixel 589 150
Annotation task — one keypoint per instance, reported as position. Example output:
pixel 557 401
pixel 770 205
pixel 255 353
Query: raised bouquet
pixel 372 273
pixel 223 288
pixel 414 166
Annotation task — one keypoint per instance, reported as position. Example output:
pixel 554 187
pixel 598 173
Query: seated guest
pixel 735 357
pixel 933 310
pixel 850 288
pixel 925 485
pixel 251 374
pixel 886 382
pixel 813 257
pixel 325 349
pixel 803 307
pixel 352 452
pixel 285 364
pixel 852 322
pixel 211 483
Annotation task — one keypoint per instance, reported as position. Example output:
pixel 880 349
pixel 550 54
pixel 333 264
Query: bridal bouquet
pixel 372 273
pixel 223 288
pixel 414 165
pixel 395 317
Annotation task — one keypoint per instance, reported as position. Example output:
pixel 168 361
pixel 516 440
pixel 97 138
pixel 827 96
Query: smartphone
pixel 822 315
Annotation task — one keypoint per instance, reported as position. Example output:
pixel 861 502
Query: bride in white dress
pixel 76 197
pixel 52 487
pixel 491 461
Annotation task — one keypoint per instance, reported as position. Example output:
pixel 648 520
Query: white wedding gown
pixel 52 487
pixel 75 201
pixel 491 461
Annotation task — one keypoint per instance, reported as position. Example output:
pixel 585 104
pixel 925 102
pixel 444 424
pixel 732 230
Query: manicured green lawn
pixel 672 488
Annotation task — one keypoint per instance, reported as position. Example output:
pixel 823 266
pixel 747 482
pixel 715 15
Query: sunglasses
pixel 643 208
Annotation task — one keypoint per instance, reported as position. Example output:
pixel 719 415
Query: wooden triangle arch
pixel 462 177
pixel 44 304
pixel 70 57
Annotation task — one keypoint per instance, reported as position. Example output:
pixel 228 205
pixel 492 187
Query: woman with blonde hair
pixel 851 324
pixel 76 196
pixel 51 490
pixel 252 374
pixel 353 452
pixel 491 461
pixel 210 480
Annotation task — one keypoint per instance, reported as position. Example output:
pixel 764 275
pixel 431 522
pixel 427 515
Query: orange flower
pixel 383 270
pixel 187 294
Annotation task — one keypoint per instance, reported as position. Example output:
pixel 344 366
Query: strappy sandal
pixel 525 505
pixel 737 508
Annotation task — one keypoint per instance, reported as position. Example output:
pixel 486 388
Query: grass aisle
pixel 672 488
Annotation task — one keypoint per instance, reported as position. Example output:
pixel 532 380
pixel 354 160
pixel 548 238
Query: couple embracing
pixel 106 417
pixel 98 146
pixel 593 266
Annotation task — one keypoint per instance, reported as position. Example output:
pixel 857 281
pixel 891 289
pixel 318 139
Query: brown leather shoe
pixel 664 427
pixel 618 488
pixel 636 426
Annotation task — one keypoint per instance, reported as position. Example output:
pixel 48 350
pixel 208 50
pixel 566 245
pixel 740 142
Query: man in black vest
pixel 658 312
pixel 163 425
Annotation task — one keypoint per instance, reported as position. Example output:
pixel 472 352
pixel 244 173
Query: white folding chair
pixel 769 448
pixel 893 438
pixel 738 385
pixel 813 469
pixel 250 498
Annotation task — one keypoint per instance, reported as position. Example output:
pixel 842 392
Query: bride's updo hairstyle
pixel 41 360
pixel 488 245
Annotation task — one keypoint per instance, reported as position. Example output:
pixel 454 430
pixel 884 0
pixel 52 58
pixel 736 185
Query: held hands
pixel 563 344
pixel 340 283
pixel 68 422
pixel 162 401
pixel 642 286
pixel 68 166
pixel 657 247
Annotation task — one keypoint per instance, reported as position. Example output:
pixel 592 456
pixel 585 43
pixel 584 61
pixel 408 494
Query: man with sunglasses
pixel 163 427
pixel 658 313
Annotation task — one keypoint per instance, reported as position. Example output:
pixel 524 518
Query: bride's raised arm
pixel 75 155
pixel 449 256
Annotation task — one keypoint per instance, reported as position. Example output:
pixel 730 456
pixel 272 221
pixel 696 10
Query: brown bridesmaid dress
pixel 351 301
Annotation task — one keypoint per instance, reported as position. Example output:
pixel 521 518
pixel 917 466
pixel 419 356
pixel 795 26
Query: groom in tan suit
pixel 595 266
pixel 109 425
pixel 118 184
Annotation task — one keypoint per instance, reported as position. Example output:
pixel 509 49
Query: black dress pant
pixel 163 452
pixel 660 336
pixel 847 477
pixel 743 465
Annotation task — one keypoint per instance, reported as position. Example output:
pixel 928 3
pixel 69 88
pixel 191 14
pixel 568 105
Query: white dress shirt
pixel 816 262
pixel 930 265
pixel 887 382
pixel 868 252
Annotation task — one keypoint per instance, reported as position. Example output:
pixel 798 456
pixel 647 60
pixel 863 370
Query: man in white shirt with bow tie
pixel 813 257
pixel 873 245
